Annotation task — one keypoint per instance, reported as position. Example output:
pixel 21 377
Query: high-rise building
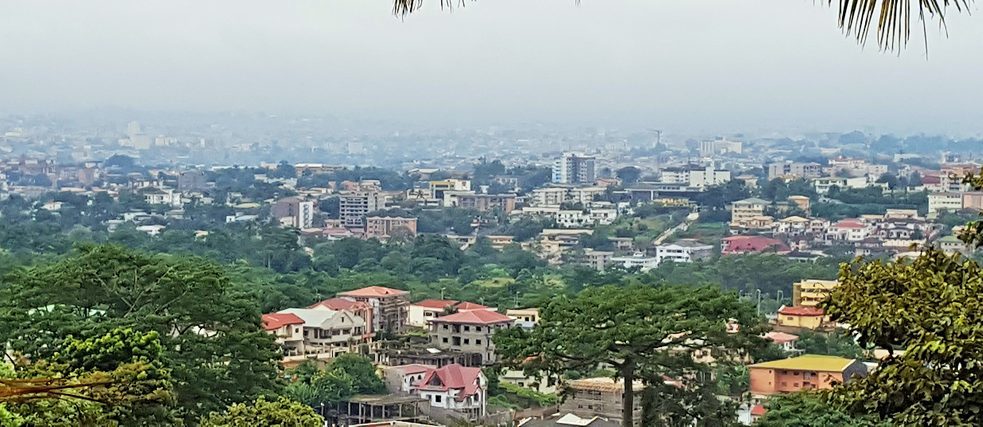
pixel 294 212
pixel 353 206
pixel 574 168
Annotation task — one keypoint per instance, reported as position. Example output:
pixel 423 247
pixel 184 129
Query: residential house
pixel 288 329
pixel 456 388
pixel 637 260
pixel 469 331
pixel 850 230
pixel 742 211
pixel 752 244
pixel 422 312
pixel 783 340
pixel 390 307
pixel 327 332
pixel 806 372
pixel 801 317
pixel 524 317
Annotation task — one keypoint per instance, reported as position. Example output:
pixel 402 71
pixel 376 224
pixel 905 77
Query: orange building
pixel 803 317
pixel 806 372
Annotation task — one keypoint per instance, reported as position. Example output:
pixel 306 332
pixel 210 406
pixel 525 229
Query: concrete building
pixel 382 227
pixel 601 397
pixel 525 317
pixel 438 188
pixel 743 211
pixel 574 168
pixel 793 170
pixel 294 212
pixel 806 372
pixel 638 260
pixel 683 251
pixel 422 312
pixel 355 205
pixel 810 292
pixel 720 146
pixel 191 180
pixel 455 388
pixel 390 307
pixel 319 331
pixel 939 202
pixel 801 202
pixel 482 202
pixel 597 259
pixel 801 317
pixel 695 176
pixel 469 331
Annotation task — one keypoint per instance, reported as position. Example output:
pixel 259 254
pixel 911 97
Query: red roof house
pixel 752 244
pixel 475 317
pixel 373 292
pixel 274 321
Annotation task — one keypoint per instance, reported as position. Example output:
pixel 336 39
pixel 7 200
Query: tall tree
pixel 644 332
pixel 281 412
pixel 212 341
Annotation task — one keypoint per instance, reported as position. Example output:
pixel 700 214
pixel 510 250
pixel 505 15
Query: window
pixel 784 384
pixel 477 342
pixel 467 328
pixel 436 398
pixel 477 328
pixel 467 341
pixel 445 340
pixel 445 327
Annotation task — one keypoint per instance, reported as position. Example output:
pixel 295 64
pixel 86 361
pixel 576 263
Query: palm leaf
pixel 893 18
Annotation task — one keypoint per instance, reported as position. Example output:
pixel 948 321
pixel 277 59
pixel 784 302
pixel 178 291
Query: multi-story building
pixel 390 307
pixel 695 176
pixel 939 202
pixel 601 397
pixel 793 170
pixel 355 205
pixel 850 230
pixel 800 202
pixel 322 331
pixel 555 196
pixel 483 202
pixel 160 196
pixel 683 251
pixel 742 211
pixel 469 331
pixel 191 180
pixel 294 212
pixel 806 372
pixel 720 146
pixel 802 317
pixel 810 292
pixel 574 168
pixel 452 387
pixel 383 227
pixel 823 185
pixel 596 259
pixel 637 260
pixel 438 188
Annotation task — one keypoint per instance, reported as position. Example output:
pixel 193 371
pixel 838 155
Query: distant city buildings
pixel 294 212
pixel 353 206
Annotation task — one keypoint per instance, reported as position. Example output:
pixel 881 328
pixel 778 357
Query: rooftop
pixel 605 384
pixel 274 321
pixel 800 311
pixel 480 317
pixel 373 291
pixel 809 362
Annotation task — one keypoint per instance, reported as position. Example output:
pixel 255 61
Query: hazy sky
pixel 675 64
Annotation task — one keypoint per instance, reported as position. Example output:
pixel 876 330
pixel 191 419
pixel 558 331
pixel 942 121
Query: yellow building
pixel 801 317
pixel 810 292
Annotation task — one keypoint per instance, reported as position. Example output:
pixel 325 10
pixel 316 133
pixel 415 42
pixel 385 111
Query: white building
pixel 452 387
pixel 326 331
pixel 639 260
pixel 422 312
pixel 682 251
pixel 938 202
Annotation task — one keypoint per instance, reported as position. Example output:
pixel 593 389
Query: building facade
pixel 574 168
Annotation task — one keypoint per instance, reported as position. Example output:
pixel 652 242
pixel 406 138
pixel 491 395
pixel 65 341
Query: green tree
pixel 361 370
pixel 326 387
pixel 276 413
pixel 644 332
pixel 212 342
pixel 808 410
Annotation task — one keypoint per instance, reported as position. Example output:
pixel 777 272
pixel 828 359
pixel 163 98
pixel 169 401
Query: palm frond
pixel 856 17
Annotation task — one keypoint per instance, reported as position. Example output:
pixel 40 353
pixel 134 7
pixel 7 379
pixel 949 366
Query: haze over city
pixel 707 66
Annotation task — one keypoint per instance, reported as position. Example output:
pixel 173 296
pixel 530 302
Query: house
pixel 421 312
pixel 361 309
pixel 683 251
pixel 801 317
pixel 456 388
pixel 806 372
pixel 545 383
pixel 810 292
pixel 568 420
pixel 752 244
pixel 390 306
pixel 325 332
pixel 469 331
pixel 783 340
pixel 600 397
pixel 850 230
pixel 524 317
pixel 288 329
pixel 951 244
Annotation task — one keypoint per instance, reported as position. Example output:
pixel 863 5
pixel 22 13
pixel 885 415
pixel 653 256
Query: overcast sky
pixel 698 65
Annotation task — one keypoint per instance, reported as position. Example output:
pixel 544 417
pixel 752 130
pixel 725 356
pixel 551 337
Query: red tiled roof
pixel 436 304
pixel 373 291
pixel 479 317
pixel 453 376
pixel 758 410
pixel 741 244
pixel 465 306
pixel 780 337
pixel 849 223
pixel 413 368
pixel 801 310
pixel 336 304
pixel 274 321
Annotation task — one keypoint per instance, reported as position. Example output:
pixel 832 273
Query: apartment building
pixel 294 212
pixel 353 206
pixel 317 331
pixel 743 211
pixel 806 372
pixel 390 307
pixel 793 170
pixel 438 188
pixel 422 312
pixel 574 168
pixel 596 259
pixel 941 202
pixel 469 331
pixel 382 227
pixel 720 146
pixel 482 202
pixel 810 292
pixel 695 176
